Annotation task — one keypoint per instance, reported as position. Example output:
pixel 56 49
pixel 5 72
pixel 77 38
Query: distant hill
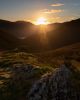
pixel 65 33
pixel 12 33
pixel 60 35
pixel 18 28
pixel 8 41
pixel 26 36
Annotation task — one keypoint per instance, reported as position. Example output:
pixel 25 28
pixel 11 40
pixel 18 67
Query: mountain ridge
pixel 28 35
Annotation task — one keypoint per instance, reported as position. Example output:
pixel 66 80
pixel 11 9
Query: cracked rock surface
pixel 56 86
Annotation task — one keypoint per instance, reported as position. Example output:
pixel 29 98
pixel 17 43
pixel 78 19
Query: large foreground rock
pixel 57 86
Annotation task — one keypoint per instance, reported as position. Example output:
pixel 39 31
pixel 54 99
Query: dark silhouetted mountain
pixel 59 35
pixel 65 33
pixel 18 28
pixel 8 41
pixel 11 33
pixel 29 36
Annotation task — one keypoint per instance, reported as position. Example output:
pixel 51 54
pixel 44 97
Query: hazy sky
pixel 30 10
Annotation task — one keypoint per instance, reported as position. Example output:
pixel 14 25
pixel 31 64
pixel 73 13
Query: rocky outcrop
pixel 24 72
pixel 23 68
pixel 56 86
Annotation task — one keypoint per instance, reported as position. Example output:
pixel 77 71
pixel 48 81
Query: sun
pixel 41 21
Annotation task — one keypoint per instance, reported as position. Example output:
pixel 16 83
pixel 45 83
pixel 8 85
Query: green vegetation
pixel 15 82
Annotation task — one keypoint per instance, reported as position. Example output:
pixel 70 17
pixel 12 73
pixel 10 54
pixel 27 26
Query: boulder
pixel 56 86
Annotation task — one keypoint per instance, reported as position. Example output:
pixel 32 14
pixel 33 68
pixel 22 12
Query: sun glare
pixel 41 21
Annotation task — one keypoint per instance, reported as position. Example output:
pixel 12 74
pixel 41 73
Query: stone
pixel 56 86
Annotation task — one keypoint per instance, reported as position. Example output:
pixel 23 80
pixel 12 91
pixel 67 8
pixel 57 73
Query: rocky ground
pixel 27 77
pixel 61 85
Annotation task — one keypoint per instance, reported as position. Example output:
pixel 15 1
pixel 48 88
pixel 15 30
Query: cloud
pixel 52 11
pixel 71 17
pixel 57 4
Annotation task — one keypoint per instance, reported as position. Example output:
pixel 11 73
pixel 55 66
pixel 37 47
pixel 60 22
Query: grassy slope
pixel 58 56
pixel 14 85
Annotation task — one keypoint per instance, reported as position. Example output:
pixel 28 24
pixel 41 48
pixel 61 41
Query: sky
pixel 31 10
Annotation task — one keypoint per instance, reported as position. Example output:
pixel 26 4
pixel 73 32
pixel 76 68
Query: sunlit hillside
pixel 20 70
pixel 58 56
